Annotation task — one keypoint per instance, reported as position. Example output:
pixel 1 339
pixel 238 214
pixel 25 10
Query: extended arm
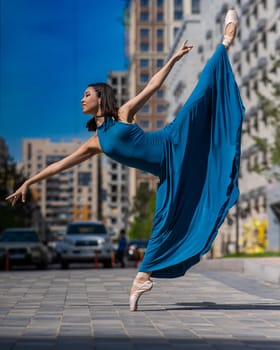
pixel 129 109
pixel 84 152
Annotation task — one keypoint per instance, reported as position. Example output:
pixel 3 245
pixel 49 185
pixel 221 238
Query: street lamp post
pixel 237 227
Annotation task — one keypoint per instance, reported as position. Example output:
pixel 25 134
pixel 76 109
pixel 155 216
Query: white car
pixel 86 241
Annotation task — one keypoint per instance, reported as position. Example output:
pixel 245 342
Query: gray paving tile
pixel 88 309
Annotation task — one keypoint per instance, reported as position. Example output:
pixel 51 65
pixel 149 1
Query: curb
pixel 265 269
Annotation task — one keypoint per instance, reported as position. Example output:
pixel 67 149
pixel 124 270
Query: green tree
pixel 143 213
pixel 10 179
pixel 270 107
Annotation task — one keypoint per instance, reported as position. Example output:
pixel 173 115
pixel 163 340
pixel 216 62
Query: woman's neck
pixel 99 119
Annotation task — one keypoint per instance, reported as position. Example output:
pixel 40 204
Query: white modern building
pixel 258 38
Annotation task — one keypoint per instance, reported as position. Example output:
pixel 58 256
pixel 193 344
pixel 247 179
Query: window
pixel 144 63
pixel 159 47
pixel 160 109
pixel 144 3
pixel 159 62
pixel 178 9
pixel 178 3
pixel 144 47
pixel 84 178
pixel 160 33
pixel 160 16
pixel 29 151
pixel 144 124
pixel 144 77
pixel 175 31
pixel 195 6
pixel 159 3
pixel 145 109
pixel 178 14
pixel 144 33
pixel 160 93
pixel 159 124
pixel 264 40
pixel 144 16
pixel 124 80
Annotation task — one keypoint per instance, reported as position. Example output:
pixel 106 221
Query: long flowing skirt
pixel 199 172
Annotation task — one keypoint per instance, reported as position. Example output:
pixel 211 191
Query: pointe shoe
pixel 139 289
pixel 231 17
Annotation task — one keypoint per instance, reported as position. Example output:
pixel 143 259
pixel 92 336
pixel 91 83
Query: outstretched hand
pixel 183 50
pixel 20 193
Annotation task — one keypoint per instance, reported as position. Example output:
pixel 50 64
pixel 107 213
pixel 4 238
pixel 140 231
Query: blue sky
pixel 50 51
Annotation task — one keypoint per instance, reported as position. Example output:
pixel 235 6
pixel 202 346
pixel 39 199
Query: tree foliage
pixel 143 213
pixel 270 107
pixel 10 179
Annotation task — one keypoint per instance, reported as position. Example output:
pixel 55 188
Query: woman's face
pixel 90 101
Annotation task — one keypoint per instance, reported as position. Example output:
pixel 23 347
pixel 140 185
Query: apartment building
pixel 257 39
pixel 117 178
pixel 153 25
pixel 74 194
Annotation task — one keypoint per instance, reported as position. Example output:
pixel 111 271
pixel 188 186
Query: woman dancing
pixel 196 158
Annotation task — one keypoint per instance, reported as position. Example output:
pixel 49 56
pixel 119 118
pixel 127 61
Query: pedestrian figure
pixel 121 250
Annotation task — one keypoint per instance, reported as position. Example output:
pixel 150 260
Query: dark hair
pixel 108 105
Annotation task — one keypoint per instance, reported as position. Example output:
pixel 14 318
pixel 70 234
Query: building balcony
pixel 245 44
pixel 245 80
pixel 261 24
pixel 236 57
pixel 253 72
pixel 277 44
pixel 209 34
pixel 253 35
pixel 245 8
pixel 262 62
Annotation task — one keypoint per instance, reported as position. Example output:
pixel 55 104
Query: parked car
pixel 23 246
pixel 86 241
pixel 136 249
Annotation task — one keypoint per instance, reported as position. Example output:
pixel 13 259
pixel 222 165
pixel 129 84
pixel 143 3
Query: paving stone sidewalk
pixel 85 309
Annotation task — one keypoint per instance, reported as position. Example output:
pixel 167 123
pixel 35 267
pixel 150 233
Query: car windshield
pixel 19 236
pixel 86 229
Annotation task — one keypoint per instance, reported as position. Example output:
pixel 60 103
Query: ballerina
pixel 196 158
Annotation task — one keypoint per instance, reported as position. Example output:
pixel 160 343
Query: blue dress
pixel 196 158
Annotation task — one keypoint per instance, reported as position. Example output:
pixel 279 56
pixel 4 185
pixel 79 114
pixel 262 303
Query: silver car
pixel 23 246
pixel 86 241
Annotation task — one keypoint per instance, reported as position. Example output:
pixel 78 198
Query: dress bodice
pixel 130 145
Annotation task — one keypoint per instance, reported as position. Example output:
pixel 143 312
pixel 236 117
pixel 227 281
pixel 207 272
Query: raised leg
pixel 230 28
